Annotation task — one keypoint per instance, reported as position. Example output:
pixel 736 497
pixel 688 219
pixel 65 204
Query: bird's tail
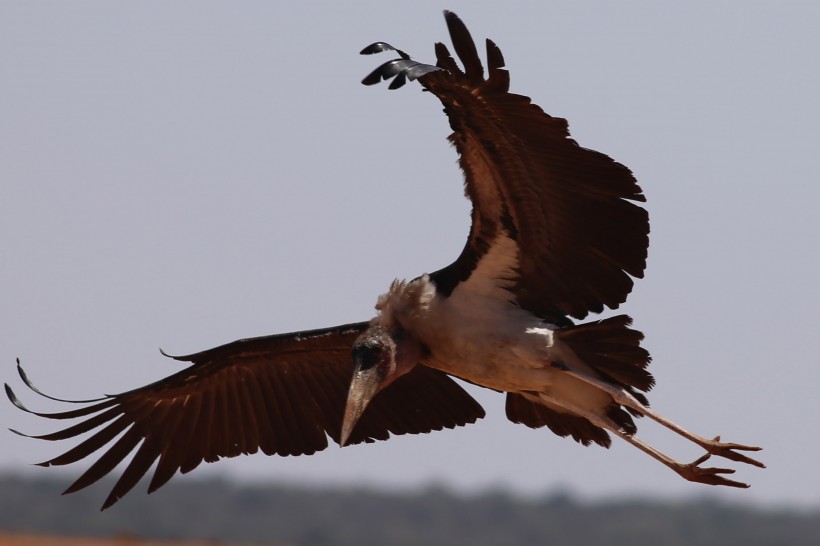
pixel 613 350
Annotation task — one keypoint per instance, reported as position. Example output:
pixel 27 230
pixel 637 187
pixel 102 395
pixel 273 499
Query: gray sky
pixel 180 175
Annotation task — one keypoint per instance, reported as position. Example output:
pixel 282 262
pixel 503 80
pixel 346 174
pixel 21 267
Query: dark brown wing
pixel 281 394
pixel 570 209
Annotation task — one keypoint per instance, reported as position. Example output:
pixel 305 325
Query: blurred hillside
pixel 46 540
pixel 221 512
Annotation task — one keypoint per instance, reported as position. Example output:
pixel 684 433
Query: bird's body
pixel 556 234
pixel 496 344
pixel 480 335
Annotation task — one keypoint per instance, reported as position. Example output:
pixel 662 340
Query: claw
pixel 726 450
pixel 710 476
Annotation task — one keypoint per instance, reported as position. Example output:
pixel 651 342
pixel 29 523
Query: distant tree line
pixel 273 514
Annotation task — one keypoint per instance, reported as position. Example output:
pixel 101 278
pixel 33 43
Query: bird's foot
pixel 727 451
pixel 710 476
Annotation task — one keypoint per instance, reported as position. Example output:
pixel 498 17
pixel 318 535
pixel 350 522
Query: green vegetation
pixel 272 514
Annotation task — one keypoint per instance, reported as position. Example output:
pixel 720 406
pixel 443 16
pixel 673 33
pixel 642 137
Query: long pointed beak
pixel 363 388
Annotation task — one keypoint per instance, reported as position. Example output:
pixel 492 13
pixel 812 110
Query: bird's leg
pixel 692 472
pixel 624 398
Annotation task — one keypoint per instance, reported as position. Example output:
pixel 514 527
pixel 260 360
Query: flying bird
pixel 557 234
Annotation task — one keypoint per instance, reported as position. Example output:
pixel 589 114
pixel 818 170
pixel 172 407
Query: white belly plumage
pixel 510 351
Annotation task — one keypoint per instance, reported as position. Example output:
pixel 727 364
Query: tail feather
pixel 613 350
pixel 621 418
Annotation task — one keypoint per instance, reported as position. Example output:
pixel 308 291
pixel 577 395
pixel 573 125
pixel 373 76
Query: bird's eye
pixel 367 356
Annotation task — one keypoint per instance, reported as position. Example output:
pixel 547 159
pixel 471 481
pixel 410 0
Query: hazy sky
pixel 180 175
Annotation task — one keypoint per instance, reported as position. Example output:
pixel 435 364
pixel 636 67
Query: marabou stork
pixel 556 234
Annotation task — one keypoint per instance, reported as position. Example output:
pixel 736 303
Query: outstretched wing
pixel 570 210
pixel 281 394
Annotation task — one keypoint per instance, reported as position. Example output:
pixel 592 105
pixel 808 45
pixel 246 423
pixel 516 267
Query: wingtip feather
pixel 168 355
pixel 381 47
pixel 22 373
pixel 14 400
pixel 465 48
pixel 17 432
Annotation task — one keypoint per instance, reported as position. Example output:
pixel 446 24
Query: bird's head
pixel 380 356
